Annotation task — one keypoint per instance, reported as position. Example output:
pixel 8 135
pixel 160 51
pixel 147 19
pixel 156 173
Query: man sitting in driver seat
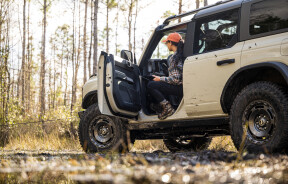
pixel 171 85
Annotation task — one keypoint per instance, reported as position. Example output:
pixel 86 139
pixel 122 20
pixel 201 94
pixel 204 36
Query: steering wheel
pixel 211 35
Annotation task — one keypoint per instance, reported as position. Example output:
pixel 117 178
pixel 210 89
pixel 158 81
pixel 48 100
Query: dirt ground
pixel 134 167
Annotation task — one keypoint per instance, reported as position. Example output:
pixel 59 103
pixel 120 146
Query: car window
pixel 216 32
pixel 161 51
pixel 267 16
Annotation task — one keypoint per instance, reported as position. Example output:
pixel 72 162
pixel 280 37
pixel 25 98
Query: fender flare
pixel 86 98
pixel 280 67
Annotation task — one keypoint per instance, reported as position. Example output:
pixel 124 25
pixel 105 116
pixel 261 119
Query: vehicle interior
pixel 216 32
pixel 157 64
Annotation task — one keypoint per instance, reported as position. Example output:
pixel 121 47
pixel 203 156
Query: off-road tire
pixel 194 144
pixel 90 142
pixel 260 112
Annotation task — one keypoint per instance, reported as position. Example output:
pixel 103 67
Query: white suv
pixel 235 80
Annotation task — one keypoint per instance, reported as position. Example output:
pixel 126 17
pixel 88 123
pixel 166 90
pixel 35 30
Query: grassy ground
pixel 50 136
pixel 52 153
pixel 141 168
pixel 63 136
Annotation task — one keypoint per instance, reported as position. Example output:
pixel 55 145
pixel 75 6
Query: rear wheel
pixel 259 118
pixel 193 144
pixel 101 133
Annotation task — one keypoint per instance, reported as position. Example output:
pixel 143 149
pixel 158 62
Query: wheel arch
pixel 275 72
pixel 89 99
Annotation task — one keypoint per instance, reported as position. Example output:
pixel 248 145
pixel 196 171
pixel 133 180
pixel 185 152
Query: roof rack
pixel 174 17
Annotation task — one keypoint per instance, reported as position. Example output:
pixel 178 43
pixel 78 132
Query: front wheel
pixel 101 133
pixel 193 144
pixel 259 118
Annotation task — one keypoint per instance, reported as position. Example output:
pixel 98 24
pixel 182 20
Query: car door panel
pixel 121 86
pixel 204 80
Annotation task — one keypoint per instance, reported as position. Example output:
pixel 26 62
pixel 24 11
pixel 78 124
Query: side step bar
pixel 180 124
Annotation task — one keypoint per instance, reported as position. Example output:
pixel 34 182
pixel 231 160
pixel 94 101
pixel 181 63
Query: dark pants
pixel 160 90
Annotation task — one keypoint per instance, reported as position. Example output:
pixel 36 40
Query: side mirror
pixel 128 55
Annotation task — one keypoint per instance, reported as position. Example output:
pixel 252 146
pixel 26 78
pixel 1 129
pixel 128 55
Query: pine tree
pixel 23 70
pixel 95 35
pixel 84 43
pixel 110 4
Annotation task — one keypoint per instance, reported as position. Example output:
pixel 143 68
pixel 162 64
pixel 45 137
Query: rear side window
pixel 216 32
pixel 267 16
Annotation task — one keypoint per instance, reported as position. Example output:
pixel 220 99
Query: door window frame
pixel 201 18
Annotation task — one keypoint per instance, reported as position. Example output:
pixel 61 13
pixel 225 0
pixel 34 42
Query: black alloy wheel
pixel 259 118
pixel 101 133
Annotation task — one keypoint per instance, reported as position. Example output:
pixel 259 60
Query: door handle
pixel 227 61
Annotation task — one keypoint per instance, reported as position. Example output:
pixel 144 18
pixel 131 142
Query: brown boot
pixel 167 110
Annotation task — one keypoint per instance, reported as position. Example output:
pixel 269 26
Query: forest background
pixel 50 48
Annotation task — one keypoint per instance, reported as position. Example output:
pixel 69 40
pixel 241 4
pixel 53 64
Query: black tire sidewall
pixel 273 95
pixel 119 141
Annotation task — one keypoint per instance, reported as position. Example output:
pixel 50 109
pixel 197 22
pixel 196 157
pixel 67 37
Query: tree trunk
pixel 91 42
pixel 7 73
pixel 84 43
pixel 50 88
pixel 73 62
pixel 18 79
pixel 107 26
pixel 54 82
pixel 29 60
pixel 180 9
pixel 2 77
pixel 130 23
pixel 66 74
pixel 95 32
pixel 23 58
pixel 61 63
pixel 42 72
pixel 197 4
pixel 135 19
pixel 66 84
pixel 116 31
pixel 74 90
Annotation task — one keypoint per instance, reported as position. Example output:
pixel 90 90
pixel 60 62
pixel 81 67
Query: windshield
pixel 161 51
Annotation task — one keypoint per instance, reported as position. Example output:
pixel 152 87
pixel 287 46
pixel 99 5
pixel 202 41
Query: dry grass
pixel 62 136
pixel 222 143
pixel 52 136
pixel 46 142
pixel 148 146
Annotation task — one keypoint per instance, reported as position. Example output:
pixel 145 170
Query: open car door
pixel 118 86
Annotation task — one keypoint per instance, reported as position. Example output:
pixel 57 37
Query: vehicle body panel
pixel 90 85
pixel 202 90
pixel 263 50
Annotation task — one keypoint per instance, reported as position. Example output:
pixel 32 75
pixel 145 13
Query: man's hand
pixel 156 78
